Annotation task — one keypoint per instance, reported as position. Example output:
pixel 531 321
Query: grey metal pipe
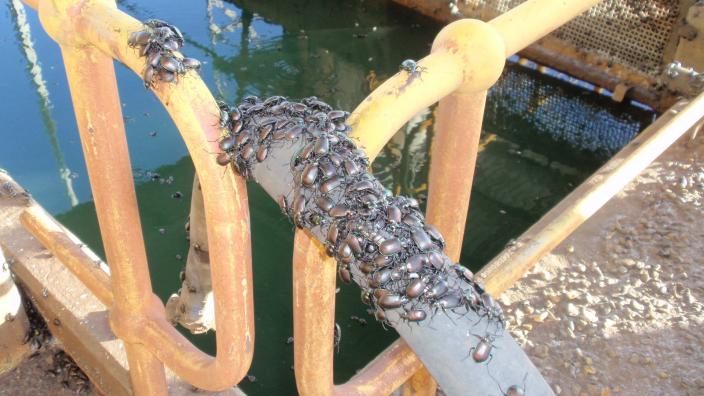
pixel 458 319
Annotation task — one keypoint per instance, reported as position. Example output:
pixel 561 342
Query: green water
pixel 541 138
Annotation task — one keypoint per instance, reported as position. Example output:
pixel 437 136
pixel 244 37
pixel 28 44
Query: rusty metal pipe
pixel 452 161
pixel 385 373
pixel 91 78
pixel 62 245
pixel 59 242
pixel 511 264
pixel 314 276
pixel 194 112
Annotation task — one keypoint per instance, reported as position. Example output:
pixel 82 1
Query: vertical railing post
pixel 91 78
pixel 452 161
pixel 314 280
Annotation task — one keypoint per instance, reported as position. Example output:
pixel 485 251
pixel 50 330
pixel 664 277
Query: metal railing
pixel 466 59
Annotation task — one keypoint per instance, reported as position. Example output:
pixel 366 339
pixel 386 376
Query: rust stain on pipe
pixel 87 32
pixel 52 236
pixel 453 158
pixel 99 117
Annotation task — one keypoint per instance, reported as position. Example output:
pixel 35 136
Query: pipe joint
pixel 129 325
pixel 62 20
pixel 477 49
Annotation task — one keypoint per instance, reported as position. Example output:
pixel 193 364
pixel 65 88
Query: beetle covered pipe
pixel 381 242
pixel 360 222
pixel 159 43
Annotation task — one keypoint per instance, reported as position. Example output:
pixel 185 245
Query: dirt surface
pixel 617 308
pixel 48 371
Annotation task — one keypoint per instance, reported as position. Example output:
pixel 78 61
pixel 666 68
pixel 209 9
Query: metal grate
pixel 560 110
pixel 633 33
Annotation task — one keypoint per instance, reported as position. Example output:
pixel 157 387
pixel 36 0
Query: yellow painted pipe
pixel 467 56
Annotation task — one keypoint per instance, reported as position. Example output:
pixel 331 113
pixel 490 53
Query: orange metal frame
pixel 466 60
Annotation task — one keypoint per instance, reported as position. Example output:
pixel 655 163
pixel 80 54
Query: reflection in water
pixel 24 39
pixel 216 32
pixel 401 166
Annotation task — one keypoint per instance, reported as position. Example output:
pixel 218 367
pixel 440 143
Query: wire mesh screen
pixel 526 100
pixel 633 33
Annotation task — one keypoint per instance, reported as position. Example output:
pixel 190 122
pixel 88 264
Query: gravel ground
pixel 616 309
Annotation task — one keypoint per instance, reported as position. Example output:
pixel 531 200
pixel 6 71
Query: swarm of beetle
pixel 380 241
pixel 160 43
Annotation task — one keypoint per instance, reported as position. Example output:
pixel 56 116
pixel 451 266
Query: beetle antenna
pixel 495 381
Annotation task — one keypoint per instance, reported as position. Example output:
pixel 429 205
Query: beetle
pixel 390 246
pixel 227 143
pixel 191 63
pixel 309 175
pixel 415 288
pixel 482 351
pixel 463 272
pixel 345 274
pixel 391 301
pixel 412 68
pixel 491 308
pixel 415 263
pixel 437 290
pixel 422 239
pixel 414 315
pixel 139 38
pixel 449 301
pixel 262 152
pixel 513 390
pixel 223 159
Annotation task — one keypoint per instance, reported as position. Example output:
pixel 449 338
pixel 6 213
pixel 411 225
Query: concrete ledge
pixel 74 315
